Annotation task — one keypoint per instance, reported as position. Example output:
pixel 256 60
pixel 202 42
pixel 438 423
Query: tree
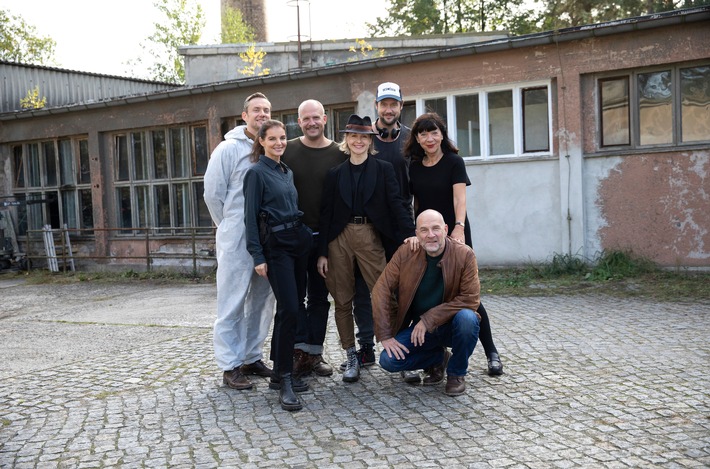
pixel 32 100
pixel 364 50
pixel 182 26
pixel 234 29
pixel 569 13
pixel 253 61
pixel 418 17
pixel 19 42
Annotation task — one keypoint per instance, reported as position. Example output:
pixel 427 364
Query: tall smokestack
pixel 253 13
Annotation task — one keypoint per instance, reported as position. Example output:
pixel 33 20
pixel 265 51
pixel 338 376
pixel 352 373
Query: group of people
pixel 298 220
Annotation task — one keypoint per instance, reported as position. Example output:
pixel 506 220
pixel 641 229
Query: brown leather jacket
pixel 403 275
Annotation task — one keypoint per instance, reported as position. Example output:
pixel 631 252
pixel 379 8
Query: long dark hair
pixel 257 149
pixel 427 123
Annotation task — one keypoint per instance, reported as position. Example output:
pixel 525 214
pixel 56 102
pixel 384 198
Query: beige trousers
pixel 359 243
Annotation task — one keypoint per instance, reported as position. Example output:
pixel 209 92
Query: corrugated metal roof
pixel 66 87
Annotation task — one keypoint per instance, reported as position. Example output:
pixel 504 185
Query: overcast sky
pixel 101 35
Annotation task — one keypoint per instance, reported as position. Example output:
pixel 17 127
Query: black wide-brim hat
pixel 358 125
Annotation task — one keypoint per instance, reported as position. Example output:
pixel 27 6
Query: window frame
pixel 141 198
pixel 483 93
pixel 62 200
pixel 633 104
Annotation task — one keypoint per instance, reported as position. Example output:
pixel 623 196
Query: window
pixel 53 180
pixel 158 178
pixel 657 107
pixel 505 121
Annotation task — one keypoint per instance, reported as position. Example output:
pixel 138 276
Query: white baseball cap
pixel 388 90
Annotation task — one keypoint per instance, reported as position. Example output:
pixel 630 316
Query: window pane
pixel 33 171
pixel 87 211
pixel 500 122
pixel 536 129
pixel 124 207
pixel 181 196
pixel 139 160
pixel 162 205
pixel 180 152
pixel 143 204
pixel 695 103
pixel 35 212
pixel 50 163
pixel 85 168
pixel 53 209
pixel 160 155
pixel 66 161
pixel 203 214
pixel 409 114
pixel 122 156
pixel 19 166
pixel 655 108
pixel 437 105
pixel 468 125
pixel 614 103
pixel 291 123
pixel 69 209
pixel 201 152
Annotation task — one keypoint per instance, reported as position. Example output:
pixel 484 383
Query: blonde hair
pixel 343 145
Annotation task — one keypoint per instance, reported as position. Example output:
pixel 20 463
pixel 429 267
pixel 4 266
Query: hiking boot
pixel 366 355
pixel 352 367
pixel 320 366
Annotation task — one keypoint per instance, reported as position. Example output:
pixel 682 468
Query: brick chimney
pixel 253 13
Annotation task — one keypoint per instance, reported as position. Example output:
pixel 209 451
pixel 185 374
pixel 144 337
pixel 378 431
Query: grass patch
pixel 617 273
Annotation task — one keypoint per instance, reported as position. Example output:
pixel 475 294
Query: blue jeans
pixel 461 334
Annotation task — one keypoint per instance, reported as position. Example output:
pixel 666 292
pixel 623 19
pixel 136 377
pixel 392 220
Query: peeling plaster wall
pixel 656 205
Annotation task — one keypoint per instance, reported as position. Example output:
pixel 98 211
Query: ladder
pixel 64 255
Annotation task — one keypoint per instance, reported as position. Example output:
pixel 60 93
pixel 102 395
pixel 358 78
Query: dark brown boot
pixel 320 366
pixel 301 363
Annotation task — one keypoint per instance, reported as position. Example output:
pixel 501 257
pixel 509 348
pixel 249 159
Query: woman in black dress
pixel 438 181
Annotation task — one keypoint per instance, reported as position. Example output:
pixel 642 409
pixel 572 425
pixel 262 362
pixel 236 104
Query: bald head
pixel 312 120
pixel 431 232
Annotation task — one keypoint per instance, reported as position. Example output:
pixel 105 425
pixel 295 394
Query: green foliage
pixel 234 29
pixel 20 43
pixel 182 26
pixel 32 100
pixel 420 17
pixel 568 13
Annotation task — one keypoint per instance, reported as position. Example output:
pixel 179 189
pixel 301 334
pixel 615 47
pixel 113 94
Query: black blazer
pixel 382 203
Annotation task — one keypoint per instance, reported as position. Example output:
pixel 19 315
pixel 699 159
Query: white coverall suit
pixel 245 303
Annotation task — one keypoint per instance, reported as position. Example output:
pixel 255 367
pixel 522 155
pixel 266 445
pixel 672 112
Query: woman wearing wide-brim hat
pixel 362 212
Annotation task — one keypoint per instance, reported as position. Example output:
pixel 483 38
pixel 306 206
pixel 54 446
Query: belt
pixel 286 226
pixel 359 220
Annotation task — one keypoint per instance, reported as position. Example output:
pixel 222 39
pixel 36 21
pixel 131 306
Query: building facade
pixel 576 141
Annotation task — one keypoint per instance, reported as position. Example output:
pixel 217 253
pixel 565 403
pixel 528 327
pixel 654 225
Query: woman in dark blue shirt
pixel 279 244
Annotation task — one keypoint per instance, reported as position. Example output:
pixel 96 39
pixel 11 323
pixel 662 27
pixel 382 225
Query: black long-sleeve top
pixel 268 187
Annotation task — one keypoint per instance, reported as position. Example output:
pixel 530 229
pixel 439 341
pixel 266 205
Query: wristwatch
pixel 461 224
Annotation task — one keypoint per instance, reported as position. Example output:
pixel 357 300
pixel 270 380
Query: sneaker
pixel 411 376
pixel 352 368
pixel 366 355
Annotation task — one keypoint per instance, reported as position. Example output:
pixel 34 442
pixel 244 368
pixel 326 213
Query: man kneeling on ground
pixel 438 292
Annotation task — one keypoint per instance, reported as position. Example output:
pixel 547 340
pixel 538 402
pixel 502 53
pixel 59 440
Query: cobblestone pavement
pixel 590 381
